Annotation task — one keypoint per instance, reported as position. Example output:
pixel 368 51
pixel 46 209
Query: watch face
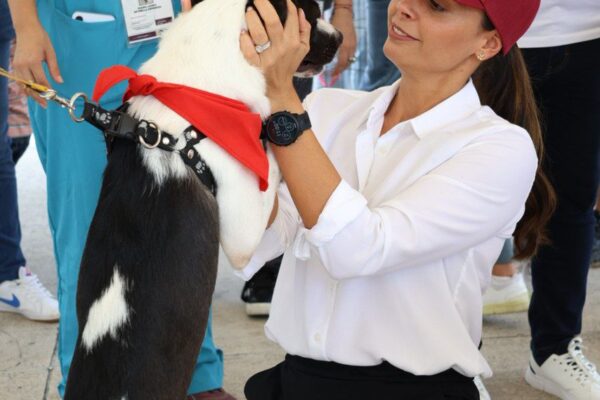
pixel 282 129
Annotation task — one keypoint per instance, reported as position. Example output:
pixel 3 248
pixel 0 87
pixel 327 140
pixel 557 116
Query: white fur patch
pixel 201 50
pixel 243 209
pixel 108 313
pixel 326 27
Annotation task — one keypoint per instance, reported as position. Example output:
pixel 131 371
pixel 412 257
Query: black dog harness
pixel 119 124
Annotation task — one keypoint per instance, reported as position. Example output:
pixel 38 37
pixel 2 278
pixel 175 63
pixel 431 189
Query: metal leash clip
pixel 50 94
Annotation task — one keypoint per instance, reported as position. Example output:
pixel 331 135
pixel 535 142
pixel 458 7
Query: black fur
pixel 165 244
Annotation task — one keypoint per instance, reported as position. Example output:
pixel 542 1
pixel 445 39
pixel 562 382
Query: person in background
pixel 378 71
pixel 20 290
pixel 562 52
pixel 56 50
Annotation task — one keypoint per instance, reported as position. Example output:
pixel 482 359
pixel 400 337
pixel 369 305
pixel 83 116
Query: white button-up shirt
pixel 395 266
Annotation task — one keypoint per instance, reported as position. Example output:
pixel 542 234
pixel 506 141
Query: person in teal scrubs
pixel 67 55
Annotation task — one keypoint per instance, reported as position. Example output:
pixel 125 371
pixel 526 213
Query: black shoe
pixel 258 291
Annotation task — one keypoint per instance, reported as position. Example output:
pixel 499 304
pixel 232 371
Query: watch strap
pixel 303 122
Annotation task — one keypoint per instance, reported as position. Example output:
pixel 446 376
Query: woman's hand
pixel 32 49
pixel 289 45
pixel 312 184
pixel 343 21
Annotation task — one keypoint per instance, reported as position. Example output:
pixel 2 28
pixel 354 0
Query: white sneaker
pixel 569 376
pixel 483 393
pixel 27 296
pixel 506 294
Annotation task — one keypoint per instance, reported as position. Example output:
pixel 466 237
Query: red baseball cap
pixel 511 18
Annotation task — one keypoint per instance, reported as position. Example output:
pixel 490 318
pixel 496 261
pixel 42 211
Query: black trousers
pixel 566 81
pixel 299 378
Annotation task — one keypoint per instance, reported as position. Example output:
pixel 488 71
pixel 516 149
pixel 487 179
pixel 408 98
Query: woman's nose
pixel 406 8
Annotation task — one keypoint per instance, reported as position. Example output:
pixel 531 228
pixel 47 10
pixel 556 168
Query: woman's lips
pixel 397 33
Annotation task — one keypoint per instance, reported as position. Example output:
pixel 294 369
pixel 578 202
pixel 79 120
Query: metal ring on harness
pixel 75 97
pixel 158 136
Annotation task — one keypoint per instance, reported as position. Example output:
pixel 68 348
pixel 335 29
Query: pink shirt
pixel 18 117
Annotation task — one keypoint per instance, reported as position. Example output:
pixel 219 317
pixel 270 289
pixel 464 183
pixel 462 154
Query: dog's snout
pixel 324 43
pixel 328 29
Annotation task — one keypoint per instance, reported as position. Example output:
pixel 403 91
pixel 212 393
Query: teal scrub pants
pixel 74 156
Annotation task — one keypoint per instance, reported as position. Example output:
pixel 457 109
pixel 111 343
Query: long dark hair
pixel 503 84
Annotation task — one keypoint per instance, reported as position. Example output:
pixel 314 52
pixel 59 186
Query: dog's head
pixel 324 38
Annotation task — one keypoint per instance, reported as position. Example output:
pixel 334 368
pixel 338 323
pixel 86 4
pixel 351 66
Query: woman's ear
pixel 491 47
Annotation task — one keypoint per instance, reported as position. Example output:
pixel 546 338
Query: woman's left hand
pixel 289 45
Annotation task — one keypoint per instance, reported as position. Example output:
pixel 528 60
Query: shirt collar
pixel 381 104
pixel 456 107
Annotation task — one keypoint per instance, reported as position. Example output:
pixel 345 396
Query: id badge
pixel 146 19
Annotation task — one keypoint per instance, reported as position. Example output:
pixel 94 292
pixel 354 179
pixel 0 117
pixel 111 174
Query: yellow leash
pixel 31 85
pixel 48 93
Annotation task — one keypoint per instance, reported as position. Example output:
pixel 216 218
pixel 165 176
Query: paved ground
pixel 29 370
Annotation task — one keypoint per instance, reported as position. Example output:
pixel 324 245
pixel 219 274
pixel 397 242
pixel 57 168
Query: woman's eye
pixel 436 6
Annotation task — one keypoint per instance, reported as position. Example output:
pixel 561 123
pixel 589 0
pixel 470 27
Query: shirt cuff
pixel 344 206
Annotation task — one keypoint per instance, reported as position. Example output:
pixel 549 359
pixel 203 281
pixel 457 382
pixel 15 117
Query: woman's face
pixel 434 36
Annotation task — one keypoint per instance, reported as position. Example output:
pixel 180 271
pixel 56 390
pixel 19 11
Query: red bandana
pixel 228 122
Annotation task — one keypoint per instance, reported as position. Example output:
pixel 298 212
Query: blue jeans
pixel 18 146
pixel 11 257
pixel 507 253
pixel 379 71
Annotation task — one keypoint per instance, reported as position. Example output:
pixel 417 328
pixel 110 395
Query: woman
pixel 396 205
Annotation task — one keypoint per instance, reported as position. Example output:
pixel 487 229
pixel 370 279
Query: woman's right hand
pixel 33 48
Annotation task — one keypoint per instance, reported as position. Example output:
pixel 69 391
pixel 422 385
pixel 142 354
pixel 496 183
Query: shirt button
pixel 317 337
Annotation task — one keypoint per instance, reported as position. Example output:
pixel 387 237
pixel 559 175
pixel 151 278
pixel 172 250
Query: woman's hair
pixel 503 84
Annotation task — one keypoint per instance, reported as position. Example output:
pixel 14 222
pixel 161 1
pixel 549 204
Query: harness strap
pixel 119 124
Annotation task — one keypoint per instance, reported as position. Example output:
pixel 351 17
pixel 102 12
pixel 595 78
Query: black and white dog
pixel 150 262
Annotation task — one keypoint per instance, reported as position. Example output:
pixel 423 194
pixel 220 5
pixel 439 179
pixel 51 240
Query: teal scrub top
pixel 84 49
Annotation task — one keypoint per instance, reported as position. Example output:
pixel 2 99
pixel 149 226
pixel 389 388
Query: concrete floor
pixel 29 370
